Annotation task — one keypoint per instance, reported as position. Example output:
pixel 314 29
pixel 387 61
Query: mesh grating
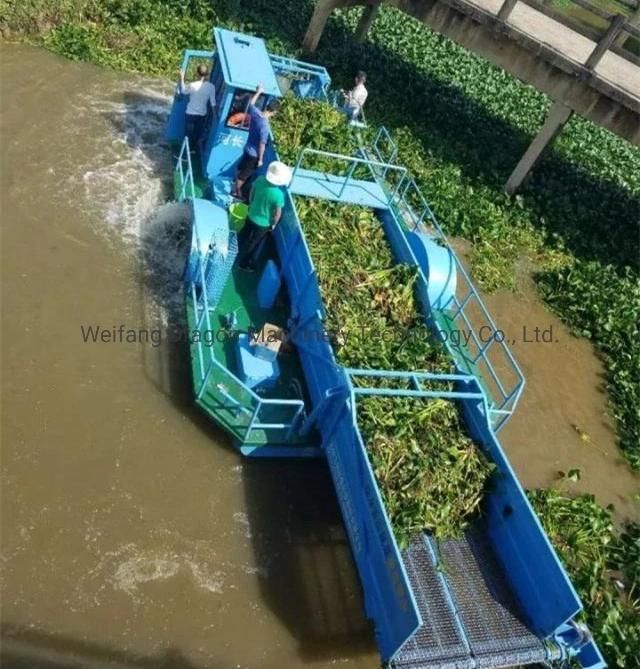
pixel 496 633
pixel 218 269
pixel 470 617
pixel 439 642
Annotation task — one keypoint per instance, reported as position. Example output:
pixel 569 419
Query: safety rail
pixel 352 162
pixel 284 66
pixel 409 205
pixel 415 379
pixel 187 185
pixel 208 365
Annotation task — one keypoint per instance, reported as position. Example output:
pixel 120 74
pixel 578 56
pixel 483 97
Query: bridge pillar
pixel 366 20
pixel 318 22
pixel 558 115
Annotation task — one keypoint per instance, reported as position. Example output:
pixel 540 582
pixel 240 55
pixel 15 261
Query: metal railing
pixel 301 71
pixel 352 163
pixel 244 405
pixel 184 169
pixel 409 205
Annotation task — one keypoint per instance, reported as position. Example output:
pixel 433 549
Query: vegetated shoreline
pixel 461 123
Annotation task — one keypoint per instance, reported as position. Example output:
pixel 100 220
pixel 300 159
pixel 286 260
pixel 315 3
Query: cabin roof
pixel 245 62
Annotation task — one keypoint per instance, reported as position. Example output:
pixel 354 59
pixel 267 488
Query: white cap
pixel 278 174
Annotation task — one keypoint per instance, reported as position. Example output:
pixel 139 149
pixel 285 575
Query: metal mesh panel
pixel 439 642
pixel 470 617
pixel 218 270
pixel 496 633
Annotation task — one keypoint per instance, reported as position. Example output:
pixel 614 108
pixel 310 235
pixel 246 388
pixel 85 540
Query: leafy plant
pixel 604 565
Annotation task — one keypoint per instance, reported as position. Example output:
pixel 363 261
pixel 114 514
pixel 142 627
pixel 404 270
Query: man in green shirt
pixel 265 209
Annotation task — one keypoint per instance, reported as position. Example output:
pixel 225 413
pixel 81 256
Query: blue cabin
pixel 503 598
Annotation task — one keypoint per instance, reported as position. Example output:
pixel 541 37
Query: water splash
pixel 127 174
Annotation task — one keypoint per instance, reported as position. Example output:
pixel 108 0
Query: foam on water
pixel 127 173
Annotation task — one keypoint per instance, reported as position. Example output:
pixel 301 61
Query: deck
pixel 222 393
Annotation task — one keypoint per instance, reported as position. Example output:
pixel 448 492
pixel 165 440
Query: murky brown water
pixel 562 421
pixel 132 535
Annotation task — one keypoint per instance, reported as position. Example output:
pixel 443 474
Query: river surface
pixel 133 536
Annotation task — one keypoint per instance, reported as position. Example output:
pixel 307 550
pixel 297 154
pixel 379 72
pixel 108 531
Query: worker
pixel 259 131
pixel 356 97
pixel 201 93
pixel 265 210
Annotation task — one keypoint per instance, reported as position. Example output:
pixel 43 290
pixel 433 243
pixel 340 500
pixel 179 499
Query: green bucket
pixel 238 213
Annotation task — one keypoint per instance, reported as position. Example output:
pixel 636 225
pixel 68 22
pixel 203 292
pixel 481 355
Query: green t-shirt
pixel 265 199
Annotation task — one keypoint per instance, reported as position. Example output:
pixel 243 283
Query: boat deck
pixel 239 296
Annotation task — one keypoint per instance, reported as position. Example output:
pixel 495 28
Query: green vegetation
pixel 604 565
pixel 461 125
pixel 430 473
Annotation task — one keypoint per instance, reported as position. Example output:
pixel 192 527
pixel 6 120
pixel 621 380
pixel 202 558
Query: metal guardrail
pixel 208 365
pixel 300 70
pixel 352 162
pixel 184 169
pixel 411 204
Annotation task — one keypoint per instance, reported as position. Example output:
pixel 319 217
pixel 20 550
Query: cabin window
pixel 238 117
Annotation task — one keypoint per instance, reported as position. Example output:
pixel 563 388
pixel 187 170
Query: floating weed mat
pixel 604 565
pixel 312 124
pixel 431 474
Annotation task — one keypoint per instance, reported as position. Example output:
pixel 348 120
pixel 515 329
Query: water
pixel 132 534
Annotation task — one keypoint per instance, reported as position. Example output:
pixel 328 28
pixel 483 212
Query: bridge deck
pixel 614 69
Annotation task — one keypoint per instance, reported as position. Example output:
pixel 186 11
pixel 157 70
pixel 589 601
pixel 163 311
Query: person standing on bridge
pixel 259 132
pixel 201 94
pixel 265 210
pixel 356 97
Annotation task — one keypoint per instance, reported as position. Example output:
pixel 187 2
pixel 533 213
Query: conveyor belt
pixel 470 617
pixel 331 187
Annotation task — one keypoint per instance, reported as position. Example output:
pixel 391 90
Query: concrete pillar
pixel 366 20
pixel 506 9
pixel 557 117
pixel 318 21
pixel 633 20
pixel 615 27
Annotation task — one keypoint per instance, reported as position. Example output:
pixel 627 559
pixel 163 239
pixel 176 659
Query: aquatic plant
pixel 604 565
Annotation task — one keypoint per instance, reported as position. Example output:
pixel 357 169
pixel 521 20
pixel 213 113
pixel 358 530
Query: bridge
pixel 583 72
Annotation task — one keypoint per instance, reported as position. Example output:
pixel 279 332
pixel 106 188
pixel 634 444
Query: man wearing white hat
pixel 265 209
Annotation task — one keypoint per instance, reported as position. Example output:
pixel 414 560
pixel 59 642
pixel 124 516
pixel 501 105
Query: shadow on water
pixel 307 575
pixel 24 648
pixel 596 217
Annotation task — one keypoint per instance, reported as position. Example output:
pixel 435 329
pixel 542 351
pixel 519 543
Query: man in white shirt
pixel 201 93
pixel 356 97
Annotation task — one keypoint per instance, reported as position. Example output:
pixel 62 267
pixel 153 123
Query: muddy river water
pixel 132 534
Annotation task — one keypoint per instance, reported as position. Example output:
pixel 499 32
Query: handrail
pixel 202 310
pixel 352 162
pixel 400 197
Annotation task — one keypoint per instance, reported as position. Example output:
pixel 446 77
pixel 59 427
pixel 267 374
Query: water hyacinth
pixel 431 474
